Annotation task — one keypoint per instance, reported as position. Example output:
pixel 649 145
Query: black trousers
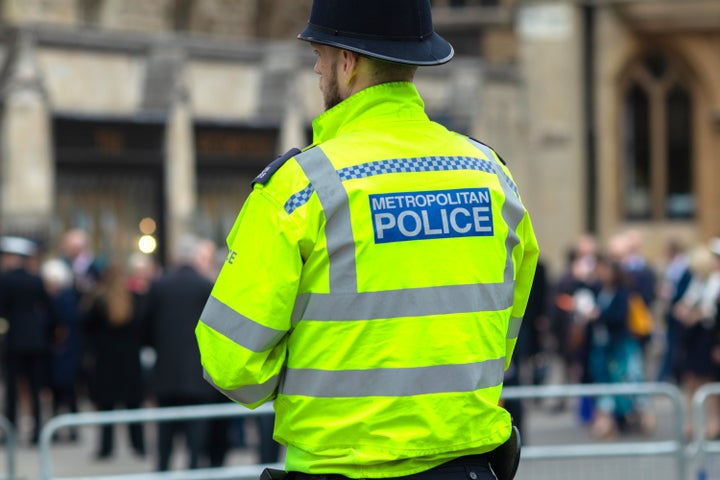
pixel 65 397
pixel 107 432
pixel 28 366
pixel 194 431
pixel 269 448
pixel 471 467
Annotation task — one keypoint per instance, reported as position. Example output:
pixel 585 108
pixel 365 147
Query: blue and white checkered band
pixel 299 199
pixel 405 165
pixel 509 182
pixel 424 164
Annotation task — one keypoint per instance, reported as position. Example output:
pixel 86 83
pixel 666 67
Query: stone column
pixel 282 96
pixel 292 128
pixel 27 171
pixel 180 173
pixel 550 36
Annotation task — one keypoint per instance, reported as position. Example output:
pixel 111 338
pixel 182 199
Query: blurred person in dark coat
pixel 66 350
pixel 25 305
pixel 113 335
pixel 142 269
pixel 528 365
pixel 675 281
pixel 640 273
pixel 531 339
pixel 85 265
pixel 567 298
pixel 696 312
pixel 174 303
pixel 615 355
pixel 626 248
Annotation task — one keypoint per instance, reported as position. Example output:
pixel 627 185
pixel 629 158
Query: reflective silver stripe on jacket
pixel 338 230
pixel 514 327
pixel 513 212
pixel 239 328
pixel 249 393
pixel 431 301
pixel 415 302
pixel 394 382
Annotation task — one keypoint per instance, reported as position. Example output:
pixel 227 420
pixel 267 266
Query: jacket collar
pixel 386 100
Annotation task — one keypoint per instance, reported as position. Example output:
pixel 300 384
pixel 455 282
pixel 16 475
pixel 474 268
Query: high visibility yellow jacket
pixel 374 288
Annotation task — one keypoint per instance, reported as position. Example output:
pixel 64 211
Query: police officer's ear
pixel 349 68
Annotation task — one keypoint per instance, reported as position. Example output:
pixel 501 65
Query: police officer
pixel 25 305
pixel 376 280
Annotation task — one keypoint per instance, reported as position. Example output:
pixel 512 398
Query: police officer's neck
pixel 363 72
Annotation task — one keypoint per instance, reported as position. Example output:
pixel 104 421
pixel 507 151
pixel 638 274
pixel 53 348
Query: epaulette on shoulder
pixel 488 146
pixel 272 167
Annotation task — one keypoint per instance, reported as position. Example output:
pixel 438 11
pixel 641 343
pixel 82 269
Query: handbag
pixel 640 320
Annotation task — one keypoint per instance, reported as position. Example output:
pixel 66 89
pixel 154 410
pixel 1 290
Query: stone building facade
pixel 118 110
pixel 624 116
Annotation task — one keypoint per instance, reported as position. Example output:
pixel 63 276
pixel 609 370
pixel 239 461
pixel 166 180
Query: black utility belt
pixel 469 460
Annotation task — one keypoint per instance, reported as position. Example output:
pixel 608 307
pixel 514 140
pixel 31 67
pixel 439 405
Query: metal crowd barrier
pixel 146 415
pixel 703 446
pixel 10 446
pixel 674 447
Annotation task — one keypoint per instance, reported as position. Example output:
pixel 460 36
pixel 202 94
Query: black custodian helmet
pixel 399 31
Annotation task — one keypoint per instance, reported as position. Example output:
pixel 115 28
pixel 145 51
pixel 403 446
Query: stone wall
pixel 63 12
pixel 92 82
pixel 224 18
pixel 282 19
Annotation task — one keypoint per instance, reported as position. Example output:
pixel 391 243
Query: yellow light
pixel 147 226
pixel 147 244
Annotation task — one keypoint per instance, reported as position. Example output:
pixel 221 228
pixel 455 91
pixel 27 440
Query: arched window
pixel 680 201
pixel 657 163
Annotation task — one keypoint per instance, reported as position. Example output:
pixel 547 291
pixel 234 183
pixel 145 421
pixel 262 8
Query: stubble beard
pixel 332 94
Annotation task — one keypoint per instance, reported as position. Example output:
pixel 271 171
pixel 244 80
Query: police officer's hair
pixel 384 71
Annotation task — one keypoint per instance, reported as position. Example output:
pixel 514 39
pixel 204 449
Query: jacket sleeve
pixel 242 330
pixel 525 258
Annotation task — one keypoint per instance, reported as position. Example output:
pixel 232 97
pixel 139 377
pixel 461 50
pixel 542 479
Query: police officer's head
pixel 384 40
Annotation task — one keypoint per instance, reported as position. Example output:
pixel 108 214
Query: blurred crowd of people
pixel 613 316
pixel 116 332
pixel 592 313
pixel 121 334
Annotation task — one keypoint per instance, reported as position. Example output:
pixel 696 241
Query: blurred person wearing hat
pixel 25 305
pixel 376 281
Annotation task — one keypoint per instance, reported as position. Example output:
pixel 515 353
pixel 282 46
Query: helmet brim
pixel 432 50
